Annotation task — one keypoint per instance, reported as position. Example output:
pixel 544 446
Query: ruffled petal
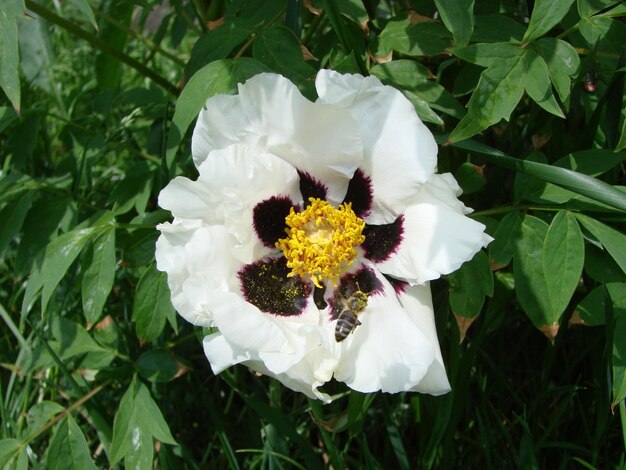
pixel 319 139
pixel 235 180
pixel 437 237
pixel 289 350
pixel 188 199
pixel 221 123
pixel 399 151
pixel 417 301
pixel 306 376
pixel 197 260
pixel 388 351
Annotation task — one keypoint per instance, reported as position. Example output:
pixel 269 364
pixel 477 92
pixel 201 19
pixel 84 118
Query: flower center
pixel 321 240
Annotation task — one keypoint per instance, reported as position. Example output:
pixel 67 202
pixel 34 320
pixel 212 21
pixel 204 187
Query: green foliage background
pixel 97 101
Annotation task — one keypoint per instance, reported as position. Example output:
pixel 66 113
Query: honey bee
pixel 347 320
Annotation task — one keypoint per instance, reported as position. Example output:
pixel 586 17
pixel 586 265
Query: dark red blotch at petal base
pixel 265 284
pixel 269 219
pixel 381 241
pixel 363 280
pixel 310 187
pixel 360 193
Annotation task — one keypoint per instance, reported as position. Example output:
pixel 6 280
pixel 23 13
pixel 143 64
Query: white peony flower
pixel 306 215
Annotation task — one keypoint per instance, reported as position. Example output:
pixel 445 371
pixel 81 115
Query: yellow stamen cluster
pixel 321 240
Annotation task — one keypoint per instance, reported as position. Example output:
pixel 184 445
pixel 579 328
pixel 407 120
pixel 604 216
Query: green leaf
pixel 576 182
pixel 619 358
pixel 548 266
pixel 99 276
pixel 68 448
pixel 221 76
pixel 422 39
pixel 587 8
pixel 12 217
pixel 9 52
pixel 41 413
pixel 157 365
pixel 621 144
pixel 125 425
pixel 346 39
pixel 563 259
pixel 84 7
pixel 60 254
pixel 45 217
pixel 458 16
pixel 109 68
pixel 37 57
pixel 530 282
pixel 133 191
pixel 469 286
pixel 152 304
pixel 142 454
pixel 417 82
pixel 355 10
pixel 612 240
pixel 563 64
pixel 424 111
pixel 593 162
pixel 9 449
pixel 469 177
pixel 537 83
pixel 73 338
pixel 546 14
pixel 489 55
pixel 138 416
pixel 497 28
pixel 150 416
pixel 279 49
pixel 592 309
pixel 499 90
pixel 218 43
pixel 502 248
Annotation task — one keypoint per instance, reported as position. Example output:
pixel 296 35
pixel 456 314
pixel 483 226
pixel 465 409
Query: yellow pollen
pixel 321 240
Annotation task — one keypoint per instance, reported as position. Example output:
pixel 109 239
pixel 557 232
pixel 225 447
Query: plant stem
pixel 101 44
pixel 151 45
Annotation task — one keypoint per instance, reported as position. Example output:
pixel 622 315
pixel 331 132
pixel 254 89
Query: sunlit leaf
pixel 422 39
pixel 546 14
pixel 152 304
pixel 60 254
pixel 68 448
pixel 99 276
pixel 9 53
pixel 499 90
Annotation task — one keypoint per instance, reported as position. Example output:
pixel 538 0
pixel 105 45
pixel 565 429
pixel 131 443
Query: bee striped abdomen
pixel 346 323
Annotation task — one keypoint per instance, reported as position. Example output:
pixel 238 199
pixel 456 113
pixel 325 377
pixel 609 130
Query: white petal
pixel 301 378
pixel 418 303
pixel 319 139
pixel 221 123
pixel 241 179
pixel 197 260
pixel 388 351
pixel 437 237
pixel 189 199
pixel 399 152
pixel 222 354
